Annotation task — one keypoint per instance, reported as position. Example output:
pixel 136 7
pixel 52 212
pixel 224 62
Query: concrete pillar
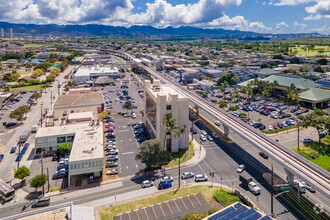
pixel 289 177
pixel 225 130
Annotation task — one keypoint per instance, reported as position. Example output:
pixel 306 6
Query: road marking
pixel 201 168
pixel 146 213
pixel 191 202
pixel 137 166
pixel 154 211
pixel 169 207
pixel 129 215
pixel 137 214
pixel 197 199
pixel 176 205
pixel 123 131
pixel 159 204
pixel 126 167
pixel 131 152
pixel 183 203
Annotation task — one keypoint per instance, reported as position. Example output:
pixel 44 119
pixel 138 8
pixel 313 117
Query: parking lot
pixel 173 209
pixel 126 143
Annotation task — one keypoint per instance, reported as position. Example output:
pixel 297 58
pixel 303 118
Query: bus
pixel 6 191
pixel 24 136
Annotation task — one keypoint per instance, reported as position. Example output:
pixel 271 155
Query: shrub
pixel 242 115
pixel 225 198
pixel 195 215
pixel 213 210
pixel 308 153
pixel 233 108
pixel 223 104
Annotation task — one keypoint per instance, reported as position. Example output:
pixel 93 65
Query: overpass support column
pixel 289 177
pixel 225 130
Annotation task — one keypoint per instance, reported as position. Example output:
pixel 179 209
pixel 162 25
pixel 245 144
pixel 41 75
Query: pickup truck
pixel 248 183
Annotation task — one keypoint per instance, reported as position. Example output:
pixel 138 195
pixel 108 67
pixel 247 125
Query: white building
pixel 160 100
pixel 11 35
pixel 84 74
pixel 86 157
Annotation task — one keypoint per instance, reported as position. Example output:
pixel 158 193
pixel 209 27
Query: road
pixel 8 164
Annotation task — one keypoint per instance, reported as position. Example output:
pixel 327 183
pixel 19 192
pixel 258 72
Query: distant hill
pixel 104 31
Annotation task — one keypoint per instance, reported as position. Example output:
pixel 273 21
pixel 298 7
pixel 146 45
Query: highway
pixel 296 164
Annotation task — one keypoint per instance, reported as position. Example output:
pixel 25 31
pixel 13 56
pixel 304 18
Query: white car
pixel 292 121
pixel 147 183
pixel 203 132
pixel 166 179
pixel 284 124
pixel 203 138
pixel 270 128
pixel 187 175
pixel 112 152
pixel 200 177
pixel 240 168
pixel 217 123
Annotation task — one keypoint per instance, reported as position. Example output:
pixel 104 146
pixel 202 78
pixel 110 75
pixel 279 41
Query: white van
pixel 299 186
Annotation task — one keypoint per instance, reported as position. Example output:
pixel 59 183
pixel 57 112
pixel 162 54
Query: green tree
pixel 50 78
pixel 151 153
pixel 319 69
pixel 64 148
pixel 10 77
pixel 29 65
pixel 127 105
pixel 55 71
pixel 19 112
pixel 21 173
pixel 278 57
pixel 223 104
pixel 322 62
pixel 295 60
pixel 35 96
pixel 319 112
pixel 37 73
pixel 314 120
pixel 170 127
pixel 38 181
pixel 233 108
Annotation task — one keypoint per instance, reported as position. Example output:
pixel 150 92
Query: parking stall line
pixel 129 216
pixel 137 213
pixel 176 205
pixel 146 213
pixel 197 199
pixel 152 207
pixel 183 202
pixel 191 202
pixel 159 204
pixel 169 207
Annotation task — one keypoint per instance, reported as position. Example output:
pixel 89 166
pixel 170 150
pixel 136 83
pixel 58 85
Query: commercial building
pixel 188 77
pixel 2 33
pixel 85 74
pixel 212 73
pixel 11 35
pixel 86 157
pixel 204 84
pixel 160 100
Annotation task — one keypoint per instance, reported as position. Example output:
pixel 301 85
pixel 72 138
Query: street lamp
pixel 298 125
pixel 192 128
pixel 41 104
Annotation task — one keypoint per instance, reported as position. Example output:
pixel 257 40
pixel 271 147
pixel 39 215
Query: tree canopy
pixel 64 148
pixel 19 112
pixel 38 181
pixel 22 172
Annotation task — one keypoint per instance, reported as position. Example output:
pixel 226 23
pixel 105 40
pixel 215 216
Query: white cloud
pixel 293 2
pixel 238 23
pixel 319 11
pixel 282 25
pixel 298 25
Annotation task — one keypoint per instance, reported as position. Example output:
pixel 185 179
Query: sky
pixel 263 16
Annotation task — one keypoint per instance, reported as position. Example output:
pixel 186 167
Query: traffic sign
pixel 285 187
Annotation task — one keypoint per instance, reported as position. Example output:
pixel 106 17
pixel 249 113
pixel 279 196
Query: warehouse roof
pixel 315 94
pixel 299 82
pixel 79 100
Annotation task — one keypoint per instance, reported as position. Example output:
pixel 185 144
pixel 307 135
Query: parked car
pixel 187 175
pixel 147 183
pixel 217 123
pixel 23 151
pixel 1 157
pixel 111 164
pixel 215 135
pixel 59 175
pixel 112 157
pixel 164 185
pixel 209 137
pixel 270 128
pixel 45 201
pixel 262 127
pixel 203 132
pixel 202 137
pixel 13 150
pixel 193 130
pixel 112 152
pixel 19 157
pixel 166 179
pixel 263 155
pixel 280 125
pixel 240 168
pixel 307 140
pixel 26 145
pixel 113 172
pixel 200 177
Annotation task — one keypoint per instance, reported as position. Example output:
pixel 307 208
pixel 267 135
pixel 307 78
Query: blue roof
pixel 237 211
pixel 324 83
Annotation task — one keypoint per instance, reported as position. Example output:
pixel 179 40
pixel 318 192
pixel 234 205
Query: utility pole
pixel 48 178
pixel 272 193
pixel 179 174
pixel 51 100
pixel 298 123
pixel 42 174
pixel 19 152
pixel 41 113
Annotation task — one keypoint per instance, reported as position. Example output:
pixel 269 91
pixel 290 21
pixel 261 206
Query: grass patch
pixel 183 154
pixel 280 129
pixel 23 72
pixel 305 51
pixel 33 45
pixel 54 189
pixel 206 191
pixel 225 198
pixel 28 88
pixel 318 153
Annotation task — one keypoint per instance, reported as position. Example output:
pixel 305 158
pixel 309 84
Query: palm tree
pixel 170 127
pixel 234 79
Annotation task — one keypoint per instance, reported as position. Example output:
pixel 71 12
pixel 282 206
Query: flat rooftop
pixel 85 71
pixel 77 100
pixel 165 90
pixel 88 140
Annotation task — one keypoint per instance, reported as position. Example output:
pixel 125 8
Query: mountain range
pixel 94 30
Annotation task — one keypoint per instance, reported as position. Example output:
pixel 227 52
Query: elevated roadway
pixel 293 163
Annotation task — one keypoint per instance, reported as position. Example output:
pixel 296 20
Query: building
pixel 44 55
pixel 79 91
pixel 2 33
pixel 263 73
pixel 11 35
pixel 86 157
pixel 188 77
pixel 92 73
pixel 212 73
pixel 204 84
pixel 159 101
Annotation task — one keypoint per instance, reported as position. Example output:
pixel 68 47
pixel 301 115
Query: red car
pixel 110 126
pixel 275 126
pixel 108 130
pixel 305 110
